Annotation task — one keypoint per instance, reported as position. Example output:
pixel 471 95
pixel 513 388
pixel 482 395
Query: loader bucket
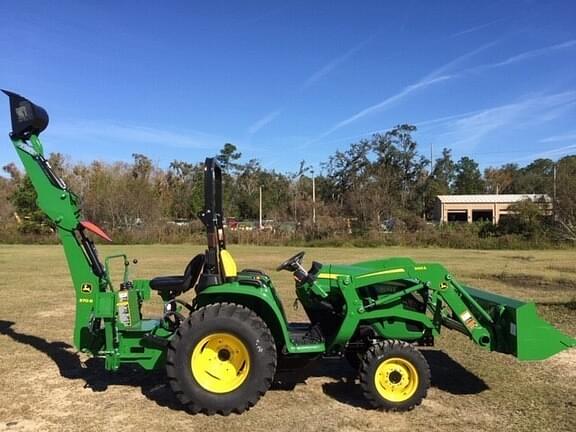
pixel 518 330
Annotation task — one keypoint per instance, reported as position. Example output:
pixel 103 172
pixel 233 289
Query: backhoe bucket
pixel 518 330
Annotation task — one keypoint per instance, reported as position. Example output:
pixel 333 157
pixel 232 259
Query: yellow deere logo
pixel 86 288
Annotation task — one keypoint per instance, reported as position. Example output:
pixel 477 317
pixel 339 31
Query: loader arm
pixel 378 294
pixel 494 322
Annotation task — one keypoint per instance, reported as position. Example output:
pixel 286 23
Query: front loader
pixel 222 350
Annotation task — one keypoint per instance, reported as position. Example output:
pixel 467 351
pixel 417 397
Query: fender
pixel 263 301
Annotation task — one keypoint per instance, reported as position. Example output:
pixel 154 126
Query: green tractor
pixel 221 352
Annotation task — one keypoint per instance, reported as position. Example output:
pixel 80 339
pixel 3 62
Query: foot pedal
pixel 305 334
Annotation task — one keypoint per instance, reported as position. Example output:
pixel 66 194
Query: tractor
pixel 221 351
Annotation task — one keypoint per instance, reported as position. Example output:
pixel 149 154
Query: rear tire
pixel 222 359
pixel 394 376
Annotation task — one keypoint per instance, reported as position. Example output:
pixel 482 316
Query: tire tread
pixel 376 352
pixel 215 311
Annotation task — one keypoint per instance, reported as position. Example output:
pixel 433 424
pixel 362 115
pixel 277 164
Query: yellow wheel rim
pixel 396 379
pixel 220 363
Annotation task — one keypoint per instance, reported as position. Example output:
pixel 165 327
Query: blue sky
pixel 286 81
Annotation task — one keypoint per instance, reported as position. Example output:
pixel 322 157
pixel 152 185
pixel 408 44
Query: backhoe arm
pixel 60 205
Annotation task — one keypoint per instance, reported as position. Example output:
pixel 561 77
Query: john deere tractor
pixel 222 350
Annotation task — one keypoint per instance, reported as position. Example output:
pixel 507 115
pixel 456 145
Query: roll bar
pixel 212 216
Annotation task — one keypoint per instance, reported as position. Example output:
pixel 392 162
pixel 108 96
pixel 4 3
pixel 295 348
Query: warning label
pixel 468 320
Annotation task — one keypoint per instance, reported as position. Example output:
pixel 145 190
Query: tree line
pixel 378 184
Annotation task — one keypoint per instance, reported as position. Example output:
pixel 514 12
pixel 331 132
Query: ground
pixel 46 386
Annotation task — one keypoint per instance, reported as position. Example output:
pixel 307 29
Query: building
pixel 474 208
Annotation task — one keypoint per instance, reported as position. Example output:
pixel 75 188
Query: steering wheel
pixel 292 263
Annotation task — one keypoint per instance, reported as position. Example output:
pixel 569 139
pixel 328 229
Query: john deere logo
pixel 86 288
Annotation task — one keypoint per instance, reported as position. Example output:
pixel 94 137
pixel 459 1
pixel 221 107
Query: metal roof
pixel 492 198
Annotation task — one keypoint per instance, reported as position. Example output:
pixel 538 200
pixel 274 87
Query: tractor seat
pixel 180 284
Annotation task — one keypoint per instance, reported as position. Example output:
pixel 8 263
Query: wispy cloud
pixel 549 154
pixel 474 29
pixel 385 103
pixel 526 55
pixel 441 74
pixel 466 132
pixel 313 79
pixel 443 120
pixel 459 60
pixel 259 124
pixel 571 136
pixel 438 75
pixel 555 152
pixel 334 63
pixel 104 132
pixel 439 121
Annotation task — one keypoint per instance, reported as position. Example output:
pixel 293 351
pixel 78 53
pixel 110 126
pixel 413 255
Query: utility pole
pixel 431 157
pixel 554 192
pixel 313 198
pixel 295 196
pixel 260 207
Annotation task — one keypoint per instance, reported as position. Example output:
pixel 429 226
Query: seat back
pixel 229 267
pixel 192 272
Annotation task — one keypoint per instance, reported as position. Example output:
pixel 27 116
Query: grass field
pixel 46 386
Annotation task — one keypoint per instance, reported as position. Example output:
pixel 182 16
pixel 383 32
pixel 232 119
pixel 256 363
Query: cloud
pixel 571 136
pixel 259 124
pixel 334 63
pixel 104 132
pixel 435 122
pixel 474 29
pixel 468 128
pixel 443 120
pixel 440 74
pixel 549 154
pixel 466 132
pixel 527 55
pixel 385 103
pixel 312 80
pixel 458 60
pixel 436 76
pixel 558 151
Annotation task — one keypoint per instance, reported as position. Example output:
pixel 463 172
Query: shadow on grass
pixel 450 376
pixel 447 374
pixel 152 383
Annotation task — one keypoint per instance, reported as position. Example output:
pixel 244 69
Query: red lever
pixel 95 229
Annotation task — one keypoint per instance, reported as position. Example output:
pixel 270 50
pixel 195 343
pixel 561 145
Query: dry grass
pixel 44 386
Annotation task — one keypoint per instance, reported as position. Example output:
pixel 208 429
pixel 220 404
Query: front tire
pixel 354 358
pixel 222 359
pixel 394 376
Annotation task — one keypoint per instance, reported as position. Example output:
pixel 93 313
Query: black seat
pixel 177 285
